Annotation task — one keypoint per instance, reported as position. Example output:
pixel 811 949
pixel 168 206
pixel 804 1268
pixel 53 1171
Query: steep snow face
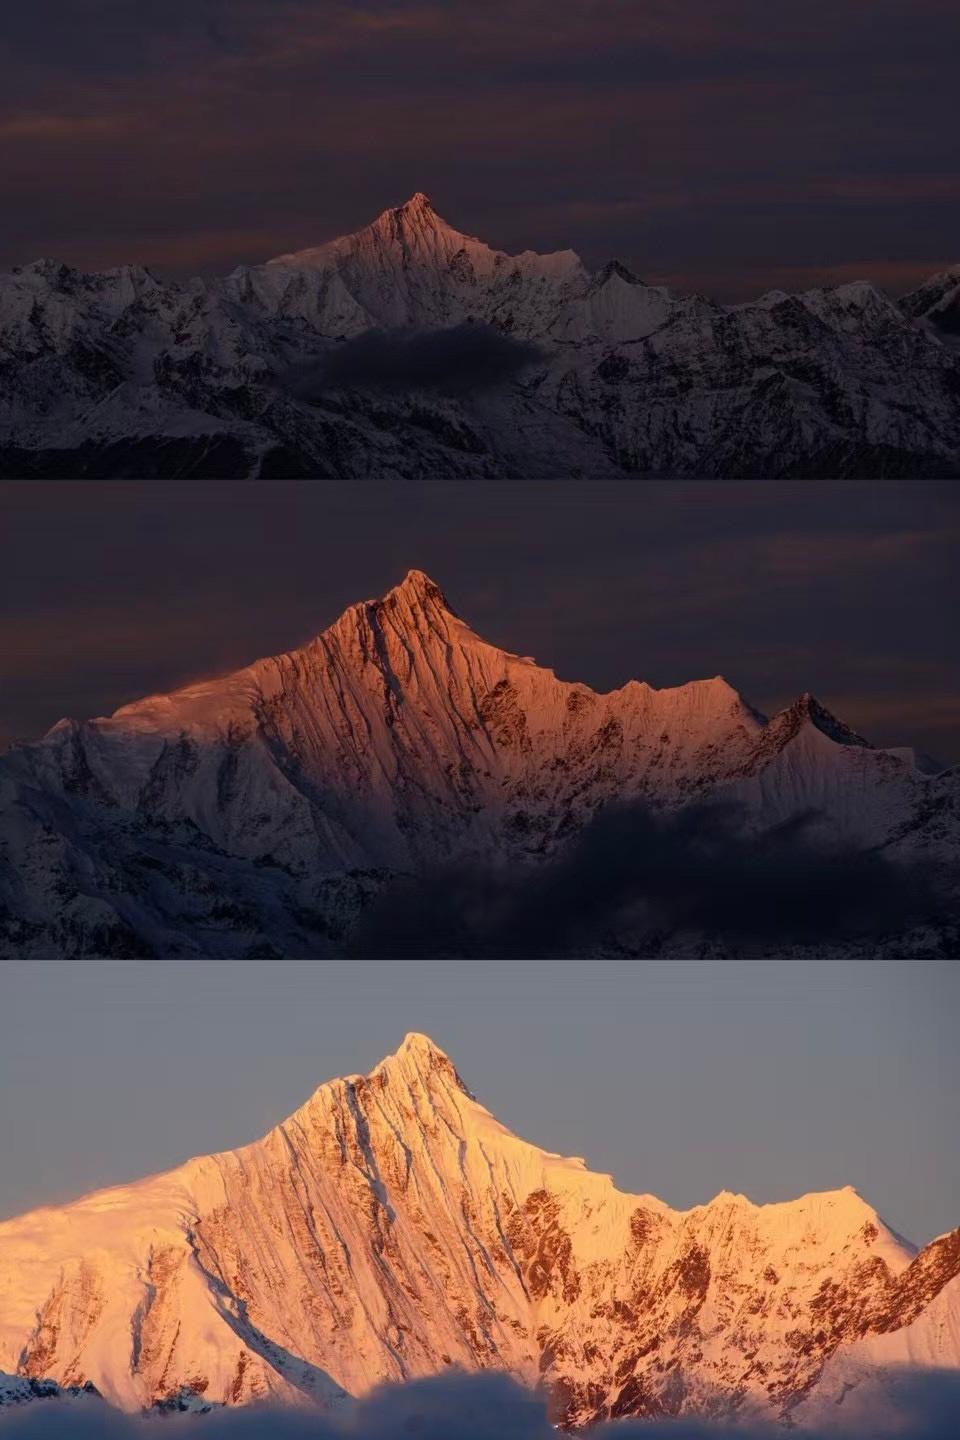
pixel 936 305
pixel 614 307
pixel 429 737
pixel 120 374
pixel 392 1227
pixel 409 267
pixel 262 809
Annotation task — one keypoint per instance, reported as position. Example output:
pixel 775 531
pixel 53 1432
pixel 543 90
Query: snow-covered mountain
pixel 392 1227
pixel 118 373
pixel 411 268
pixel 936 305
pixel 261 812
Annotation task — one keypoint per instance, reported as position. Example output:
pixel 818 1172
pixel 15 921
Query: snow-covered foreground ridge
pixel 17 1391
pixel 392 1228
pixel 262 812
pixel 119 373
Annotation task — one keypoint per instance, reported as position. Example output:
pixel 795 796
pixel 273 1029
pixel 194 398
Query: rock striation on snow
pixel 118 373
pixel 411 268
pixel 258 813
pixel 392 1228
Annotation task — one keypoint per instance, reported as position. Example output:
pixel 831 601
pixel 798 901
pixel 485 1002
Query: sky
pixel 770 1079
pixel 726 146
pixel 849 590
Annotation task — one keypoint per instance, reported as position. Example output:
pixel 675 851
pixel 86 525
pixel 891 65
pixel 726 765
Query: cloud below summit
pixel 634 872
pixel 456 359
pixel 487 1406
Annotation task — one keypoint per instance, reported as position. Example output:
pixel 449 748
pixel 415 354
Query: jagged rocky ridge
pixel 260 813
pixel 392 1227
pixel 118 373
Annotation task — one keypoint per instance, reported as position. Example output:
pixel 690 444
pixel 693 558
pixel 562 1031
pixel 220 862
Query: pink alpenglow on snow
pixel 392 1227
pixel 306 785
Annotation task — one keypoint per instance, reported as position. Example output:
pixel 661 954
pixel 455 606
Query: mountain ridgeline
pixel 391 1228
pixel 409 349
pixel 399 785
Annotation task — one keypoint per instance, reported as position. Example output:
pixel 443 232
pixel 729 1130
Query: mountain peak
pixel 811 710
pixel 412 242
pixel 805 711
pixel 615 269
pixel 416 213
pixel 418 1058
pixel 418 1045
pixel 412 231
pixel 391 1228
pixel 418 204
pixel 417 585
pixel 417 599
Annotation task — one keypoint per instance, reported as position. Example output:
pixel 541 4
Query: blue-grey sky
pixel 680 1079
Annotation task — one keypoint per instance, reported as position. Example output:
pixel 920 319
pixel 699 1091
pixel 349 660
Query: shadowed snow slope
pixel 260 812
pixel 119 373
pixel 392 1227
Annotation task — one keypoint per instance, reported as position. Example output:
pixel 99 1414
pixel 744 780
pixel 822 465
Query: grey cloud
pixel 458 1406
pixel 634 872
pixel 456 359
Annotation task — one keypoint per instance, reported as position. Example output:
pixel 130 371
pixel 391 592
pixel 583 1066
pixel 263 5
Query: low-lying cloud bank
pixel 460 358
pixel 921 1405
pixel 637 873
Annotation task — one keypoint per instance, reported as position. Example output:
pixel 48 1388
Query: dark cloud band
pixel 459 358
pixel 633 874
pixel 922 1405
